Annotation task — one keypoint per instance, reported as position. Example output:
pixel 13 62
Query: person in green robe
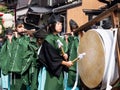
pixel 53 57
pixel 18 55
pixel 73 81
pixel 29 57
pixel 40 36
pixel 5 83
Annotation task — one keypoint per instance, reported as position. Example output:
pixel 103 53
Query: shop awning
pixel 40 10
pixel 21 12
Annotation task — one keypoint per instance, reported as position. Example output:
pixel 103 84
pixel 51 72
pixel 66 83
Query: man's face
pixel 9 36
pixel 20 28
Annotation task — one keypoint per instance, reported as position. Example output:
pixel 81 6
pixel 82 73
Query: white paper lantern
pixel 8 20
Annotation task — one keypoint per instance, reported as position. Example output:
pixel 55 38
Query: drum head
pixel 91 67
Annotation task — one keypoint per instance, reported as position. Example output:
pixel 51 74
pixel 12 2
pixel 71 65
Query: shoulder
pixel 49 37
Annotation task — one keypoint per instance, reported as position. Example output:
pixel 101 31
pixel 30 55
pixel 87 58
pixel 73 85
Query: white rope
pixel 76 81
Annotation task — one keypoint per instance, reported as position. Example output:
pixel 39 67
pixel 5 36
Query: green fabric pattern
pixel 72 52
pixel 20 59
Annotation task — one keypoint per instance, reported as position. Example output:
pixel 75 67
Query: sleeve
pixel 51 59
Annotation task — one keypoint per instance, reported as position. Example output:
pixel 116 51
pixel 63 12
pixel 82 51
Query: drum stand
pixel 114 13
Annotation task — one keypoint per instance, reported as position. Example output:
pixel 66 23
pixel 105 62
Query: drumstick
pixel 62 51
pixel 80 56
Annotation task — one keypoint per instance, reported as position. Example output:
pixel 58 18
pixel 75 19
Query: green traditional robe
pixel 17 58
pixel 52 61
pixel 72 52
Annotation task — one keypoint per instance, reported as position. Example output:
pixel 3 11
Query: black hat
pixel 8 31
pixel 73 24
pixel 18 22
pixel 42 26
pixel 41 33
pixel 54 18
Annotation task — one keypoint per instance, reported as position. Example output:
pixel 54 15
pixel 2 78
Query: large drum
pixel 94 67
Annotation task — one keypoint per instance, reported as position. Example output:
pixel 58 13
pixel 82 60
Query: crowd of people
pixel 42 60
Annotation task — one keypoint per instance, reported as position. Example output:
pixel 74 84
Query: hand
pixel 9 37
pixel 65 56
pixel 66 38
pixel 67 63
pixel 72 33
pixel 16 34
